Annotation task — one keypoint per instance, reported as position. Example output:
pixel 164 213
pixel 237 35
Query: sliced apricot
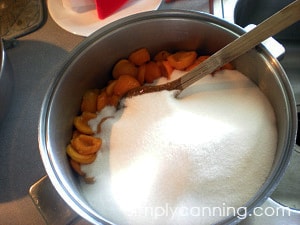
pixel 124 67
pixel 199 60
pixel 89 101
pixel 114 100
pixel 182 59
pixel 152 72
pixel 124 84
pixel 84 159
pixel 102 101
pixel 110 88
pixel 141 74
pixel 77 167
pixel 101 122
pixel 75 133
pixel 81 122
pixel 161 56
pixel 227 66
pixel 86 144
pixel 165 68
pixel 140 56
pixel 89 180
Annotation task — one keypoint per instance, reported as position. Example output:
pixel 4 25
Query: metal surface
pixel 50 205
pixel 288 191
pixel 6 82
pixel 20 17
pixel 61 103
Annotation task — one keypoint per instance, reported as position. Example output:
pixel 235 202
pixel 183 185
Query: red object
pixel 107 7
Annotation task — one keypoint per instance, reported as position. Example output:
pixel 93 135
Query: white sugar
pixel 164 160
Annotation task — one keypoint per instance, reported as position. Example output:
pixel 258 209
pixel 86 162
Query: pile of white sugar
pixel 182 161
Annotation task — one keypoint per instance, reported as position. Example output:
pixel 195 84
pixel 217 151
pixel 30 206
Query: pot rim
pixel 6 81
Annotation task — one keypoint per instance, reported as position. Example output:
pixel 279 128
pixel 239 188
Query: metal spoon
pixel 272 25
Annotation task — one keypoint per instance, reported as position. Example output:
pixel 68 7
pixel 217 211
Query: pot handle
pixel 50 205
pixel 276 49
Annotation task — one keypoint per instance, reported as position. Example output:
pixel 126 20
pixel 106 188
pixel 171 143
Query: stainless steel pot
pixel 6 82
pixel 91 62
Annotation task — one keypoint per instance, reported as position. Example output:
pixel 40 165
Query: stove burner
pixel 20 17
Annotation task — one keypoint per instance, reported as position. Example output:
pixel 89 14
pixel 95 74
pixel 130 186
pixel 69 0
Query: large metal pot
pixel 6 82
pixel 90 64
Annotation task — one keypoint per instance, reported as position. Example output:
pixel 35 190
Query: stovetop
pixel 35 60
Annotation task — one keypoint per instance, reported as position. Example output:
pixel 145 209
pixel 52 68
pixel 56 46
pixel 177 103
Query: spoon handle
pixel 274 24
